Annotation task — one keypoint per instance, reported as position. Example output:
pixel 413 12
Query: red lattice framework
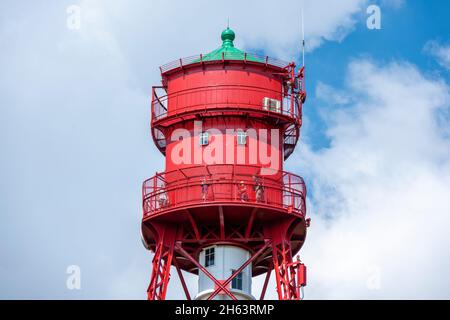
pixel 271 250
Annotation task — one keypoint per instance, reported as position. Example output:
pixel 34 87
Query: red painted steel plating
pixel 179 219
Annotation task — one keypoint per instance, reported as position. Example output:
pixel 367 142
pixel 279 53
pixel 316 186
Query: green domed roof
pixel 227 51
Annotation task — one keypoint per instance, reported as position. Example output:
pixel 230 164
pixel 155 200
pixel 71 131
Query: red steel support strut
pixel 160 273
pixel 290 275
pixel 162 260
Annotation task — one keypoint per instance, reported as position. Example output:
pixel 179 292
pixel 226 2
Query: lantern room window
pixel 204 138
pixel 209 257
pixel 241 138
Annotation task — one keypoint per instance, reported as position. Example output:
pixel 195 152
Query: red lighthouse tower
pixel 224 209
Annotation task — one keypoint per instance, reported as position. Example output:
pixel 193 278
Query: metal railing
pixel 223 184
pixel 227 56
pixel 221 96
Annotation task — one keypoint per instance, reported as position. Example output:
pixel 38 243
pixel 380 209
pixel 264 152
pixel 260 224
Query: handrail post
pixel 152 105
pixel 154 191
pixel 292 97
pixel 290 190
pixel 143 199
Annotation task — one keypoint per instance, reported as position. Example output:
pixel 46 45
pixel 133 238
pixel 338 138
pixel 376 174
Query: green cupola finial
pixel 228 37
pixel 227 51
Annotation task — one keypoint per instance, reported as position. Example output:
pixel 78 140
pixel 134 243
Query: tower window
pixel 209 257
pixel 204 138
pixel 236 283
pixel 241 138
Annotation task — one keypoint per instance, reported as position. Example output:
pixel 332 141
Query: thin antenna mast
pixel 303 41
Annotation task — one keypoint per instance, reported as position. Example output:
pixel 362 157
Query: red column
pixel 162 260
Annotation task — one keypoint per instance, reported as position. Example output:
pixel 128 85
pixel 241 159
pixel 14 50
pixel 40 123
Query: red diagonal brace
pixel 253 257
pixel 266 282
pixel 203 269
pixel 183 283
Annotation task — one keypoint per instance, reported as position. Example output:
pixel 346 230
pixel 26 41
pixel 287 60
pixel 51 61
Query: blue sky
pixel 404 33
pixel 74 123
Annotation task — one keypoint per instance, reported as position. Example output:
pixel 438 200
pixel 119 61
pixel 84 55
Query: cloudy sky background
pixel 75 143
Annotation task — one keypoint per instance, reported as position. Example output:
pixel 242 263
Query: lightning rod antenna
pixel 303 41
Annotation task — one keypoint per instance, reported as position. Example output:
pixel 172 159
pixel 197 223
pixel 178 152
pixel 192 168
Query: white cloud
pixel 440 52
pixel 74 126
pixel 330 95
pixel 170 29
pixel 380 194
